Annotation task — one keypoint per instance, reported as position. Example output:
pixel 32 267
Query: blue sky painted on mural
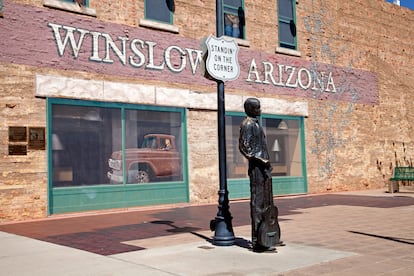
pixel 405 3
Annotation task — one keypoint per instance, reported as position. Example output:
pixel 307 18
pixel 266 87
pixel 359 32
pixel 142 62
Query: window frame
pixel 70 6
pixel 286 20
pixel 158 25
pixel 171 15
pixel 224 6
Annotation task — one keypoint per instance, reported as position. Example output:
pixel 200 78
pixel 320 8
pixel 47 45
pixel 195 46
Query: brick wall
pixel 349 145
pixel 23 179
pixel 345 141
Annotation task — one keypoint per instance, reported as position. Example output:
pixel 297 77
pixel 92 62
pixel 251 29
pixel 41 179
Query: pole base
pixel 223 235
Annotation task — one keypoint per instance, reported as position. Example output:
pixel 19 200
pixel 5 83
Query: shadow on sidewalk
pixel 401 240
pixel 241 242
pixel 105 233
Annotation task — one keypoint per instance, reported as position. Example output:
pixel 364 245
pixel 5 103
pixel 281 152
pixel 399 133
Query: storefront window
pixel 93 145
pixel 152 146
pixel 283 143
pixel 82 140
pixel 236 163
pixel 284 146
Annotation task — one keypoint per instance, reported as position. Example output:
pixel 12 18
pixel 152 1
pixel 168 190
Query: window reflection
pixel 287 24
pixel 283 143
pixel 284 146
pixel 237 165
pixel 160 10
pixel 87 146
pixel 153 150
pixel 82 140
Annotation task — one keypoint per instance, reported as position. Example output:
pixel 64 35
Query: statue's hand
pixel 265 162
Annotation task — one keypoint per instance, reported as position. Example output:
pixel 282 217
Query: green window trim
pixel 287 25
pixel 161 14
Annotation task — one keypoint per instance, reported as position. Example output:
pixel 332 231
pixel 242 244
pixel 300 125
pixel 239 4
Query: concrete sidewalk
pixel 24 256
pixel 322 240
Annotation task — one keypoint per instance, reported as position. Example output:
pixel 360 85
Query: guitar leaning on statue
pixel 269 229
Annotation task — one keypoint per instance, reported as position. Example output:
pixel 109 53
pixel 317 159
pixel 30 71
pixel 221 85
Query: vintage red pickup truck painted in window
pixel 156 160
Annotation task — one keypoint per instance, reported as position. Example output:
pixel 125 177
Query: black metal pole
pixel 222 225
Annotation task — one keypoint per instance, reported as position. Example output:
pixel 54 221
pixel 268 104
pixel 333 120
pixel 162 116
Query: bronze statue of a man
pixel 253 146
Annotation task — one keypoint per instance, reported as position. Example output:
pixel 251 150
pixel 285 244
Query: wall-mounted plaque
pixel 37 139
pixel 17 134
pixel 17 150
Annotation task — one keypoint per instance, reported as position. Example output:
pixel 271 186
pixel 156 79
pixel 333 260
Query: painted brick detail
pixel 36 45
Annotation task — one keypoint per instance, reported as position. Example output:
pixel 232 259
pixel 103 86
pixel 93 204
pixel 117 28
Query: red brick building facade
pixel 80 82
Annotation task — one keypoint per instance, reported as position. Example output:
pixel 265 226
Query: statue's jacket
pixel 252 142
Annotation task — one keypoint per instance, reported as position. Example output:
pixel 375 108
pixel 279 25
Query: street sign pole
pixel 222 224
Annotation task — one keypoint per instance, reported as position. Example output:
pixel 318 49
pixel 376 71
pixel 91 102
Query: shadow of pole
pixel 401 240
pixel 241 242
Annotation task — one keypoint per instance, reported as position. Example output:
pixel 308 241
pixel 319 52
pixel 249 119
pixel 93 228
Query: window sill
pixel 240 42
pixel 71 7
pixel 290 52
pixel 158 26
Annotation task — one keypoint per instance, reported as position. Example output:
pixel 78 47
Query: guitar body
pixel 269 229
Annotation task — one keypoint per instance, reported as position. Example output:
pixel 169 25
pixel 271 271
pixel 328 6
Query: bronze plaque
pixel 17 134
pixel 37 139
pixel 17 150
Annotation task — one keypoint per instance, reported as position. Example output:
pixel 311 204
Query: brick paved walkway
pixel 382 238
pixel 376 227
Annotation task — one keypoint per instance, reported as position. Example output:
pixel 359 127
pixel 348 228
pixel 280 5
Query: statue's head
pixel 252 107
